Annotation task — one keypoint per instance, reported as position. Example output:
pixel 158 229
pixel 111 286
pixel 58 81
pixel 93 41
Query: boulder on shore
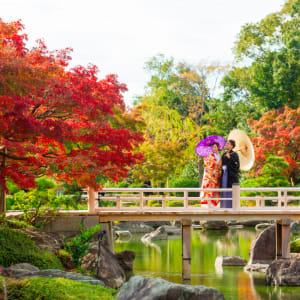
pixel 156 288
pixel 233 260
pixel 112 266
pixel 284 272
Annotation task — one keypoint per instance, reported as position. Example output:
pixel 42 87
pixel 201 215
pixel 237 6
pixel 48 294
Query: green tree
pixel 270 53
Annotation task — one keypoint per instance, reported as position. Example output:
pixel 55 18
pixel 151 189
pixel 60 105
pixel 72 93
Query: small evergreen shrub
pixel 79 245
pixel 16 247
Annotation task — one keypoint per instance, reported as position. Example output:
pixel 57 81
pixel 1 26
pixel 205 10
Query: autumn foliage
pixel 59 121
pixel 278 134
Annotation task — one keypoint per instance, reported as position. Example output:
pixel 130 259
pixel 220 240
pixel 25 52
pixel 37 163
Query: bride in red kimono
pixel 212 175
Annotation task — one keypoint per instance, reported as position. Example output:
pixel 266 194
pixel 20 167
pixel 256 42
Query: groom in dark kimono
pixel 230 172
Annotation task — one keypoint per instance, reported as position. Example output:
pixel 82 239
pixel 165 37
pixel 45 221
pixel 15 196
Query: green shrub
pixel 295 246
pixel 79 245
pixel 181 182
pixel 16 247
pixel 35 202
pixel 55 289
pixel 154 203
pixel 174 203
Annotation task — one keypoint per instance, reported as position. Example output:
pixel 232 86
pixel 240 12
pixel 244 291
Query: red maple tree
pixel 58 121
pixel 278 134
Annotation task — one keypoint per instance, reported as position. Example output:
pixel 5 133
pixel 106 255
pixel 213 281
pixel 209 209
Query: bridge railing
pixel 181 199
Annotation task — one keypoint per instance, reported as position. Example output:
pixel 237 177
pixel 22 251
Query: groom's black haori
pixel 230 174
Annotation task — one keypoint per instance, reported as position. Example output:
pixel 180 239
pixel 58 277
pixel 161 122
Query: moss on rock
pixel 55 289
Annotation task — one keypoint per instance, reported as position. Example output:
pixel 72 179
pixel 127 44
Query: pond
pixel 163 259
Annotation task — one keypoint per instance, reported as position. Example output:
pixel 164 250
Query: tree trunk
pixel 2 191
pixel 200 170
pixel 2 200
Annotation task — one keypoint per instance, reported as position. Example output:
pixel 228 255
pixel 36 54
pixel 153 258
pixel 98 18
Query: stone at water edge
pixel 233 260
pixel 139 288
pixel 284 272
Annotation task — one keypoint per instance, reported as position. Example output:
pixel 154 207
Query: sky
pixel 119 36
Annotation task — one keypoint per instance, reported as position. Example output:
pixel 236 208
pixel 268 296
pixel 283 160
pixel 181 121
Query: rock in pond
pixel 263 250
pixel 256 268
pixel 126 259
pixel 262 226
pixel 159 234
pixel 21 271
pixel 284 272
pixel 215 225
pixel 172 230
pixel 233 260
pixel 135 227
pixel 123 234
pixel 138 288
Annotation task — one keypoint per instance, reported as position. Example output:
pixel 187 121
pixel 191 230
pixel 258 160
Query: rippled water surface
pixel 163 259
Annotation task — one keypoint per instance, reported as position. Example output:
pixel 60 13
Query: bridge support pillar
pixel 91 200
pixel 108 237
pixel 186 226
pixel 283 231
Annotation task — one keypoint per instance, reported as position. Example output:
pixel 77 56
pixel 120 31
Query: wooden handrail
pixel 137 197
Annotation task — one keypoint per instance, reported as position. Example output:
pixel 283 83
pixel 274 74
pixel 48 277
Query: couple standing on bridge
pixel 220 172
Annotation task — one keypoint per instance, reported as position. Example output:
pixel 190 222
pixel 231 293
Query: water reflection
pixel 163 259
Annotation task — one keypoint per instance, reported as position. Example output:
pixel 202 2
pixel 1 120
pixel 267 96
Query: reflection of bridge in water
pixel 132 204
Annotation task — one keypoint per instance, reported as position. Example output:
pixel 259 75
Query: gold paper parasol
pixel 244 148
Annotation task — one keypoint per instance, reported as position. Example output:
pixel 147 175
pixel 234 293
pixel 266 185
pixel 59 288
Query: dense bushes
pixel 17 247
pixel 55 289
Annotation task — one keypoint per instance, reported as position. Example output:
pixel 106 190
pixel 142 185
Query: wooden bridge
pixel 133 204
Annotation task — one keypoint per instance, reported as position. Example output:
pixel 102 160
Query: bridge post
pixel 186 249
pixel 236 196
pixel 91 200
pixel 108 240
pixel 283 231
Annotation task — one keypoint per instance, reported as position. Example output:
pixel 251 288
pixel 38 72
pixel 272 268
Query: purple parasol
pixel 204 147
